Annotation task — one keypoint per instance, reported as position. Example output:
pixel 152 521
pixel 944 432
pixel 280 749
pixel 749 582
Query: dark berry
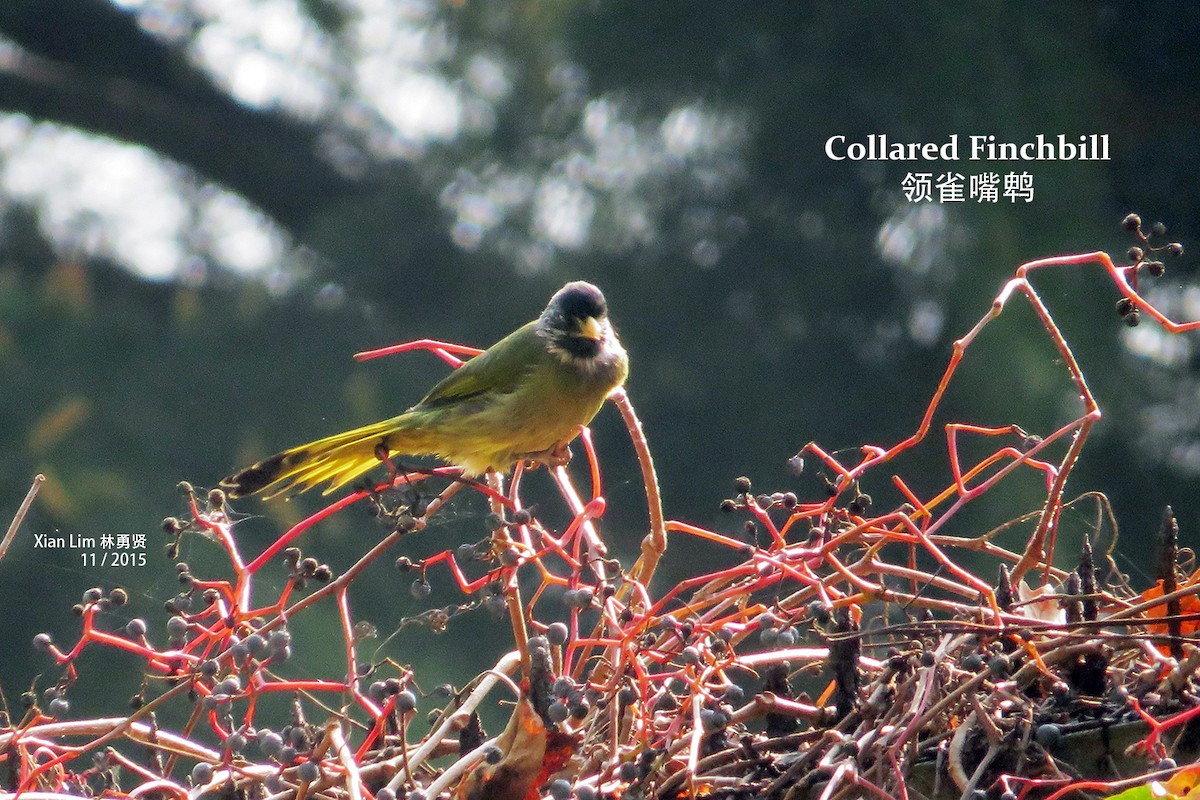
pixel 1048 735
pixel 202 773
pixel 308 772
pixel 558 711
pixel 271 743
pixel 280 638
pixel 999 665
pixel 557 633
pixel 256 645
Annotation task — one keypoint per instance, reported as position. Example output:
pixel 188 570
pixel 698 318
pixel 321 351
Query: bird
pixel 523 399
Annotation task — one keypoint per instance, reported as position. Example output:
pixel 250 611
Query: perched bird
pixel 524 398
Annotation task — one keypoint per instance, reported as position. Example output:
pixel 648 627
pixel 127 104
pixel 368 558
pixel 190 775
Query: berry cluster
pixel 846 646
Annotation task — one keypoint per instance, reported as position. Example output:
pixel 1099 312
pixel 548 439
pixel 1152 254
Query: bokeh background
pixel 206 206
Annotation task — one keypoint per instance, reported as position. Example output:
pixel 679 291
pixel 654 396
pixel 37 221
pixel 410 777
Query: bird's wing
pixel 498 370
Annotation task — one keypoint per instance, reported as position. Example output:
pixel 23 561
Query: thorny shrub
pixel 925 664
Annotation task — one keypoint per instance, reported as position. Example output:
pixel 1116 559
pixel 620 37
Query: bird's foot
pixel 557 456
pixel 385 457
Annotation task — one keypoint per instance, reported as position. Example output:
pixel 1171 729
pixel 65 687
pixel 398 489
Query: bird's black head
pixel 579 300
pixel 573 319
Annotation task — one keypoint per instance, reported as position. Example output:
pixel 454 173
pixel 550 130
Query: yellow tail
pixel 338 459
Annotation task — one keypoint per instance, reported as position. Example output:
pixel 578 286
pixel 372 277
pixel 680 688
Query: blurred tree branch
pixel 88 65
